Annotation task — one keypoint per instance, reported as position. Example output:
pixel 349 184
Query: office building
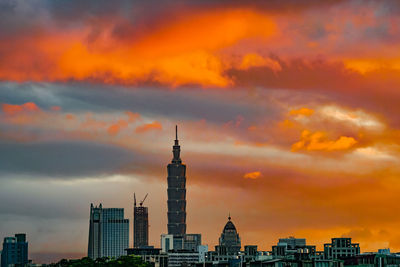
pixel 341 248
pixel 178 259
pixel 108 232
pixel 187 242
pixel 15 251
pixel 140 224
pixel 229 242
pixel 176 192
pixel 177 239
pixel 293 248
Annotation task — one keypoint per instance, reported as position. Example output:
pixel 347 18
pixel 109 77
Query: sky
pixel 287 114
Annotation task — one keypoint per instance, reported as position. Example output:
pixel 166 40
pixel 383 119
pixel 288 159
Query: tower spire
pixel 176 149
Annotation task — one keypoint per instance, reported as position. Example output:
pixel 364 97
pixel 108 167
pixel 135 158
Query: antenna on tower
pixel 134 197
pixel 141 202
pixel 176 132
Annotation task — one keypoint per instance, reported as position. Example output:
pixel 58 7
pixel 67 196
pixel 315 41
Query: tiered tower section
pixel 176 192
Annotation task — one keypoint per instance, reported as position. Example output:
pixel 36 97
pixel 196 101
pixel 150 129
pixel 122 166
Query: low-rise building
pixel 341 248
pixel 182 258
pixel 293 248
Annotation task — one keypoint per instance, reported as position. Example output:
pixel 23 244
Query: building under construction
pixel 140 224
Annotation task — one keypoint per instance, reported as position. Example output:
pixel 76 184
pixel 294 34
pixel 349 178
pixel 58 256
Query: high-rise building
pixel 176 192
pixel 108 232
pixel 140 225
pixel 341 248
pixel 15 251
pixel 229 242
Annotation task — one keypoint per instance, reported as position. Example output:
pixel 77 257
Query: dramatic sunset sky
pixel 288 115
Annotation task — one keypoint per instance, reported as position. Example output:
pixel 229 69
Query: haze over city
pixel 287 114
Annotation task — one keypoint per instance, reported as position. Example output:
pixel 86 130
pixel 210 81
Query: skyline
pixel 287 107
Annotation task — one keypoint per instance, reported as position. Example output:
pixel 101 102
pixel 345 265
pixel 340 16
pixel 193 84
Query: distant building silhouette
pixel 177 239
pixel 294 248
pixel 176 192
pixel 140 225
pixel 341 248
pixel 108 232
pixel 229 242
pixel 15 251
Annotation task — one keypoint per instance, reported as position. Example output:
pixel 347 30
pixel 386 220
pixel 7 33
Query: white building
pixel 177 259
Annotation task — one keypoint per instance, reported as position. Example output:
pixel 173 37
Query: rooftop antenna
pixel 141 202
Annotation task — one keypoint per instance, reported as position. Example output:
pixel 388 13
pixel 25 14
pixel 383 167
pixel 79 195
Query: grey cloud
pixel 63 159
pixel 212 105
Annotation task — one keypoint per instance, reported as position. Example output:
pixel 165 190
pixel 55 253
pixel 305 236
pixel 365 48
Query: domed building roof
pixel 229 242
pixel 229 225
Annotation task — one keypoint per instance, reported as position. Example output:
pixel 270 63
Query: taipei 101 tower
pixel 176 192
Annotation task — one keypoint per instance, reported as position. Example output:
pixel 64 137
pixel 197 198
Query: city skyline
pixel 287 112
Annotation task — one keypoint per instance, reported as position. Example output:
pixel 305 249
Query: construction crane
pixel 141 202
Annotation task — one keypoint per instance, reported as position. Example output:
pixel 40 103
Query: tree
pixel 123 261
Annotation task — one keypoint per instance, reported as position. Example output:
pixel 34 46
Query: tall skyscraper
pixel 15 251
pixel 176 192
pixel 140 225
pixel 108 232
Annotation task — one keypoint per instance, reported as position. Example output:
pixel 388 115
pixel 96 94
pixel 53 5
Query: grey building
pixel 229 242
pixel 15 251
pixel 293 248
pixel 187 242
pixel 176 192
pixel 108 232
pixel 140 225
pixel 341 248
pixel 177 239
pixel 182 258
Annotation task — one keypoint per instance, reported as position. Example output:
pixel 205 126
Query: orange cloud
pixel 113 129
pixel 70 116
pixel 132 117
pixel 301 111
pixel 252 175
pixel 255 60
pixel 191 43
pixel 149 127
pixel 16 109
pixel 317 142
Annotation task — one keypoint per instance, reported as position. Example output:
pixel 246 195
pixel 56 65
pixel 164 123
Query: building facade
pixel 15 251
pixel 341 248
pixel 184 258
pixel 293 248
pixel 108 232
pixel 176 192
pixel 229 242
pixel 140 226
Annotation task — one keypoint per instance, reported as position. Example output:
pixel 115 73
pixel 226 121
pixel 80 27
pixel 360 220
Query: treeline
pixel 122 261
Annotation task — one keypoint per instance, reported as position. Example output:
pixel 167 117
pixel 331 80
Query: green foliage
pixel 131 261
